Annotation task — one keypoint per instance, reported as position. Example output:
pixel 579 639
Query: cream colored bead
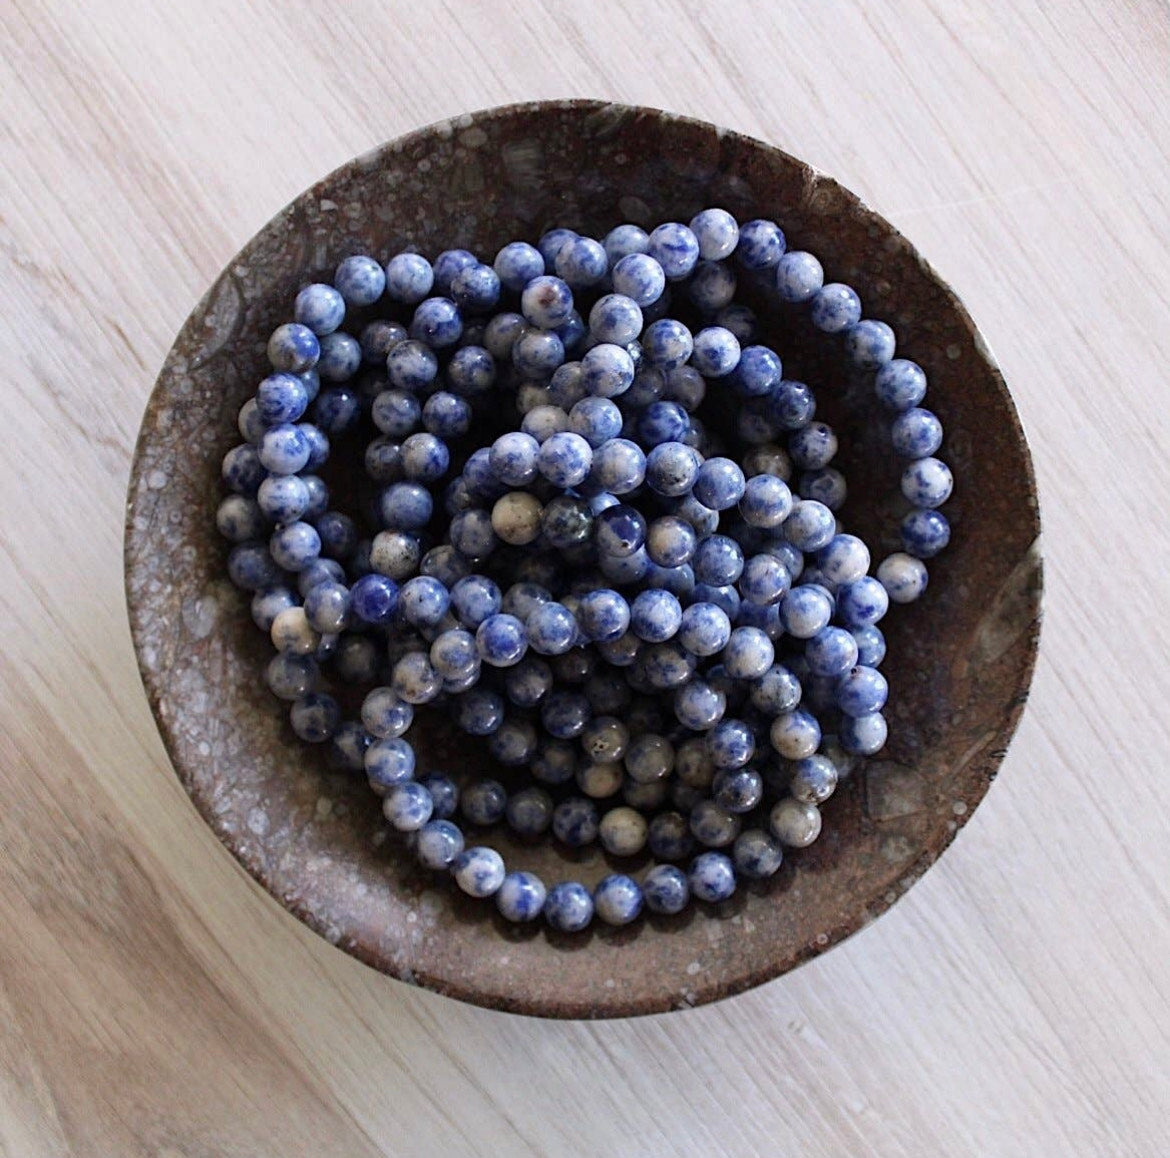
pixel 292 634
pixel 623 831
pixel 395 554
pixel 599 780
pixel 795 824
pixel 516 518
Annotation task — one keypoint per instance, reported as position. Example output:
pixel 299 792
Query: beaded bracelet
pixel 560 480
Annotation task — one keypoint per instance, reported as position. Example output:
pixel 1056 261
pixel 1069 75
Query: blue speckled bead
pixel 438 844
pixel 766 501
pixel 765 580
pixel 522 895
pixel 415 680
pixel 607 370
pixel 281 398
pixel 291 677
pixel 731 743
pixel 666 889
pixel 813 446
pixel 712 877
pixel 552 629
pixel 675 248
pixel 623 240
pixel 869 344
pixel 835 308
pixel 475 288
pixel 437 322
pixel 537 353
pixel 500 334
pixel 551 242
pixel 566 522
pixel 715 352
pixel 501 640
pixel 640 278
pixel 568 908
pixel 863 735
pixel 295 546
pixel 758 371
pixel 790 405
pixel 472 370
pixel 871 645
pixel 581 262
pixel 705 628
pixel 480 712
pixel 282 498
pixel 565 459
pixel 475 598
pixel 719 484
pixel 575 821
pixel 618 899
pixel 662 422
pixel 339 534
pixel 547 302
pixel 669 836
pixel 799 276
pixel 409 278
pixel 903 576
pixel 761 244
pixel 341 358
pixel 717 233
pixel 718 560
pixel 671 541
pixel 844 559
pixel 337 410
pixel 408 806
pixel 283 449
pixel 596 420
pixel 514 743
pixel 831 652
pixel 411 365
pixel 423 601
pixel 861 690
pixel 327 607
pixel 405 506
pixel 375 599
pixel 517 264
pixel 528 682
pixel 615 318
pixel 738 790
pixel 814 779
pixel 810 525
pixel 564 713
pixel 655 616
pixel 699 706
pixel 425 458
pixel 321 571
pixel 319 307
pixel 378 338
pixel 757 855
pixel 448 264
pixel 776 691
pixel 444 793
pixel 667 343
pixel 927 483
pixel 396 412
pixel 360 280
pixel 916 433
pixel 293 348
pixel 686 386
pixel 795 734
pixel 749 653
pixel 384 715
pixel 604 615
pixel 315 717
pixel 862 602
pixel 389 762
pixel 483 802
pixel 479 871
pixel 529 811
pixel 925 533
pixel 250 424
pixel 900 384
pixel 712 286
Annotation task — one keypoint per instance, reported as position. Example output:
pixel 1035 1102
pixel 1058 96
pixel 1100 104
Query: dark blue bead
pixel 791 404
pixel 337 411
pixel 761 244
pixel 619 531
pixel 480 712
pixel 448 264
pixel 375 599
pixel 662 422
pixel 338 533
pixel 483 802
pixel 758 372
pixel 475 288
pixel 251 566
pixel 437 322
pixel 925 533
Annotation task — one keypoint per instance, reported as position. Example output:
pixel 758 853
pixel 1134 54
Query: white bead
pixel 903 577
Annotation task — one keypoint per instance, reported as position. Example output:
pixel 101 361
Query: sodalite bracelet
pixel 621 704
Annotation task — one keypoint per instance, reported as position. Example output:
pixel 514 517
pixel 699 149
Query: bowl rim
pixel 705 990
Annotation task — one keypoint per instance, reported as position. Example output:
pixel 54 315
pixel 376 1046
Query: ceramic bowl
pixel 959 664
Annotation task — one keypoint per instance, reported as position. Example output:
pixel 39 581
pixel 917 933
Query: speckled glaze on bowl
pixel 960 661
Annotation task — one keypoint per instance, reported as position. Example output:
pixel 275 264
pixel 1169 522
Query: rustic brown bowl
pixel 960 660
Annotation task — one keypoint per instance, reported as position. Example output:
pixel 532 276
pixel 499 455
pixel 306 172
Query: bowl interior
pixel 959 661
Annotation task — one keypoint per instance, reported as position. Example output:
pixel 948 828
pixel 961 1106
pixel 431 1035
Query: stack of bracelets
pixel 680 651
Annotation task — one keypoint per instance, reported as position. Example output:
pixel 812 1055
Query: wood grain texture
pixel 155 1002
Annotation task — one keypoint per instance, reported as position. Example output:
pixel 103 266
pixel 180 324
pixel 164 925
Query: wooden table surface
pixel 156 1002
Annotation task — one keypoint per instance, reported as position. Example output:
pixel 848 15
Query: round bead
pixel 517 264
pixel 522 895
pixel 719 560
pixel 795 823
pixel 927 483
pixel 814 779
pixel 565 459
pixel 438 844
pixel 415 680
pixel 900 384
pixel 547 302
pixel 655 616
pixel 618 899
pixel 568 908
pixel 360 280
pixel 831 652
pixel 925 533
pixel 766 501
pixel 719 484
pixel 501 640
pixel 761 244
pixel 479 871
pixel 705 629
pixel 764 581
pixel 738 790
pixel 863 735
pixel 319 307
pixel 623 832
pixel 666 889
pixel 516 518
pixel 712 825
pixel 607 370
pixel 795 734
pixel 389 762
pixel 810 526
pixel 712 877
pixel 649 757
pixel 667 343
pixel 315 717
pixel 903 576
pixel 624 240
pixel 862 603
pixel 869 344
pixel 798 276
pixel 749 653
pixel 834 308
pixel 529 811
pixel 675 248
pixel 409 278
pixel 716 352
pixel 408 806
pixel 757 855
pixel 475 288
pixel 861 691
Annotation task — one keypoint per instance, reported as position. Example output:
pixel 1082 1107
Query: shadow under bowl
pixel 960 661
